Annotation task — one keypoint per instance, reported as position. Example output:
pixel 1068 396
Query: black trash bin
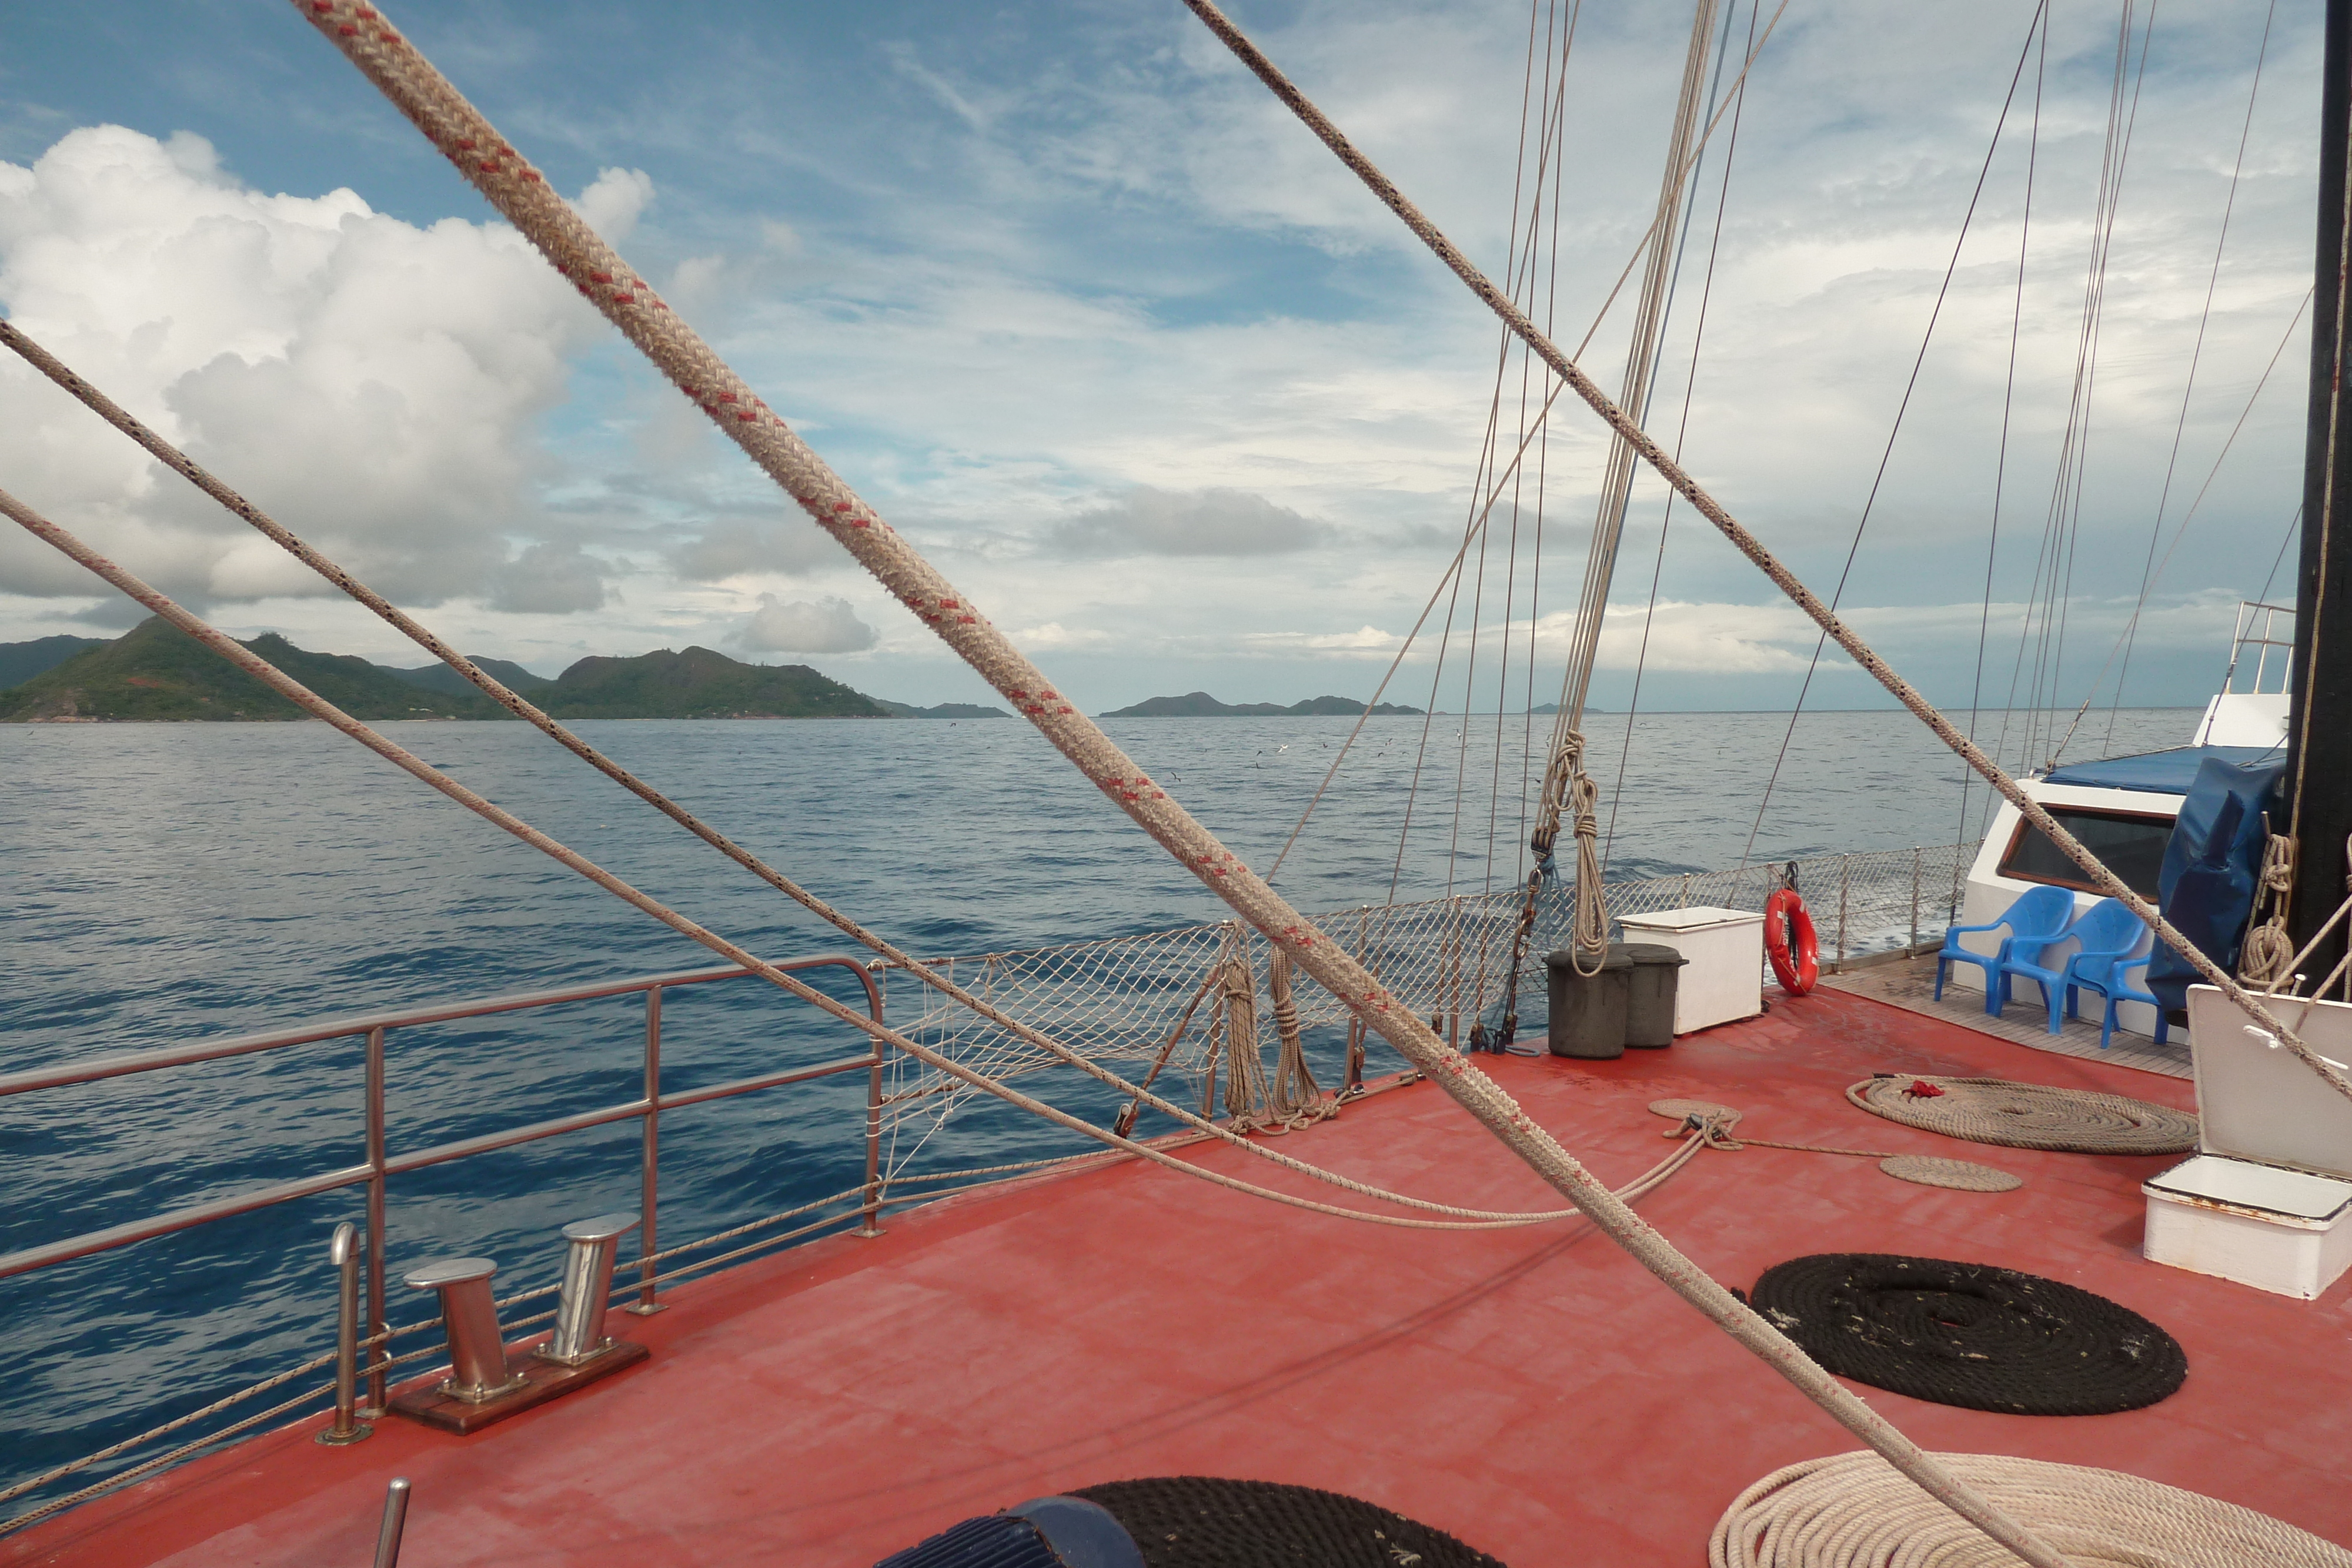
pixel 1650 993
pixel 1588 1011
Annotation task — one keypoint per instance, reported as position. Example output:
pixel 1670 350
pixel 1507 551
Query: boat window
pixel 2131 845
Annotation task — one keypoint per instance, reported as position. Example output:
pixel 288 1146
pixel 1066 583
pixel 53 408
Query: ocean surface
pixel 167 884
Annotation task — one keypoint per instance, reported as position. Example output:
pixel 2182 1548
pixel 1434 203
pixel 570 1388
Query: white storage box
pixel 1724 979
pixel 2260 1225
pixel 2267 1201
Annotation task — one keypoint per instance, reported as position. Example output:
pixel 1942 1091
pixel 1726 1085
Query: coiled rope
pixel 521 707
pixel 2028 1115
pixel 1852 1510
pixel 368 39
pixel 2101 878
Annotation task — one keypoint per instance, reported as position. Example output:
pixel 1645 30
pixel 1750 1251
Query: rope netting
pixel 1138 1000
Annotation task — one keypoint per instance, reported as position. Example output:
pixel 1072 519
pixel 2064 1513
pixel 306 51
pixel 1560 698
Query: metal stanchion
pixel 343 1251
pixel 395 1517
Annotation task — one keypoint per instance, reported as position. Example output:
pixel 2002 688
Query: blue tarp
pixel 2213 861
pixel 2159 772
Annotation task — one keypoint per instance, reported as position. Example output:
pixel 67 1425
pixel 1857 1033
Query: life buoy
pixel 1789 943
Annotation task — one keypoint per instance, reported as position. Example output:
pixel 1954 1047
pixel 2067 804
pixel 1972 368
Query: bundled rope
pixel 2268 957
pixel 1294 1102
pixel 1852 1510
pixel 2101 878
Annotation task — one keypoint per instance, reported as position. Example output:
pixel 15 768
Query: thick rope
pixel 179 462
pixel 521 193
pixel 2268 956
pixel 1294 1101
pixel 2028 1115
pixel 319 707
pixel 1852 1511
pixel 2104 880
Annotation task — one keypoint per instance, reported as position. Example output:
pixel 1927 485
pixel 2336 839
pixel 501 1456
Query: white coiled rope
pixel 1855 1510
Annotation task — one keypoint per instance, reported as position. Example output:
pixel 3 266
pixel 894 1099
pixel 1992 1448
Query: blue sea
pixel 166 883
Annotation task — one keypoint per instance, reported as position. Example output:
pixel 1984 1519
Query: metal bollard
pixel 395 1517
pixel 343 1251
pixel 587 1287
pixel 477 1352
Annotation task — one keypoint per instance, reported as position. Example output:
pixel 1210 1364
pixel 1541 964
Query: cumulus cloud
pixel 1148 521
pixel 739 548
pixel 552 578
pixel 1723 639
pixel 805 626
pixel 376 385
pixel 614 200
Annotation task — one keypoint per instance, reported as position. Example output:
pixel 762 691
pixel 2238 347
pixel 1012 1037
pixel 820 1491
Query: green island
pixel 156 672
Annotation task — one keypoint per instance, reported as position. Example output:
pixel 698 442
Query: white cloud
pixel 805 626
pixel 374 385
pixel 551 578
pixel 1220 522
pixel 1053 636
pixel 614 200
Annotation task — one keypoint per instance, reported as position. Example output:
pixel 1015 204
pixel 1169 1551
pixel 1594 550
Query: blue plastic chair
pixel 2106 931
pixel 2039 913
pixel 2091 972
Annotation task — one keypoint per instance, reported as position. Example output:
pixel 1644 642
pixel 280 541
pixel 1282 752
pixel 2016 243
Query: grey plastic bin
pixel 1588 1011
pixel 1650 999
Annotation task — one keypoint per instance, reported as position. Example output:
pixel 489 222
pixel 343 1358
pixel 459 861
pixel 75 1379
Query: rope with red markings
pixel 491 164
pixel 1748 545
pixel 179 462
pixel 269 675
pixel 518 190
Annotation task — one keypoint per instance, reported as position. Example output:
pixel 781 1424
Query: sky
pixel 1079 307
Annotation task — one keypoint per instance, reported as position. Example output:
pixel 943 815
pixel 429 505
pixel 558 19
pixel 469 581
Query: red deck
pixel 1532 1391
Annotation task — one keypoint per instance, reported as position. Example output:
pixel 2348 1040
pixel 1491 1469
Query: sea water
pixel 167 884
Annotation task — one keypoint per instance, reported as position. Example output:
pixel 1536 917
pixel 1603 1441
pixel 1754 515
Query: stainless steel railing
pixel 377 1165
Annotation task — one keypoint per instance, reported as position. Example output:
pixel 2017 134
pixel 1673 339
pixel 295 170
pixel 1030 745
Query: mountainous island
pixel 156 672
pixel 1200 705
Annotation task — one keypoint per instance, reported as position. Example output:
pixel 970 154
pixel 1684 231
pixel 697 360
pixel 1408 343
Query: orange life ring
pixel 1789 943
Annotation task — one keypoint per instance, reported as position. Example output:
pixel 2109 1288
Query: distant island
pixel 155 671
pixel 1200 705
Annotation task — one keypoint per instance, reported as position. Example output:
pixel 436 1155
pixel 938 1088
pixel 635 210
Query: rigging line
pixel 2001 460
pixel 2096 871
pixel 1690 388
pixel 2035 622
pixel 1642 360
pixel 2074 532
pixel 261 670
pixel 1650 234
pixel 1475 525
pixel 2053 522
pixel 1886 455
pixel 2181 528
pixel 519 191
pixel 2292 524
pixel 50 366
pixel 2196 354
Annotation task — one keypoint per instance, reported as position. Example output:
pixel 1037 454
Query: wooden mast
pixel 2319 720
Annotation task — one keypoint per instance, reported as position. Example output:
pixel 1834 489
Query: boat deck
pixel 1532 1391
pixel 1910 984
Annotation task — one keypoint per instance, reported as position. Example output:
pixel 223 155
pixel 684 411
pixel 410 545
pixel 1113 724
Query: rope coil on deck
pixel 1971 1334
pixel 2028 1115
pixel 1853 1511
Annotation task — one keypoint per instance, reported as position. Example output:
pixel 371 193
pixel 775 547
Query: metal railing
pixel 378 1166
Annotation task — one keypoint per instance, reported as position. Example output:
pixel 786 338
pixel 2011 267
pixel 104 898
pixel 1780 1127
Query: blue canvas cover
pixel 2210 866
pixel 2158 772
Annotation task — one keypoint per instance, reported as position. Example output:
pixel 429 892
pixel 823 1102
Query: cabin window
pixel 2131 845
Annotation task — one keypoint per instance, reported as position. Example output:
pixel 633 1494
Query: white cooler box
pixel 1724 979
pixel 2267 1200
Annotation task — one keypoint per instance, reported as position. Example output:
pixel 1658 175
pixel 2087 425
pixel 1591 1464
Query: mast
pixel 2319 718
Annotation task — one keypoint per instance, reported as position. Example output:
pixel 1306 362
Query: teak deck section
pixel 1531 1390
